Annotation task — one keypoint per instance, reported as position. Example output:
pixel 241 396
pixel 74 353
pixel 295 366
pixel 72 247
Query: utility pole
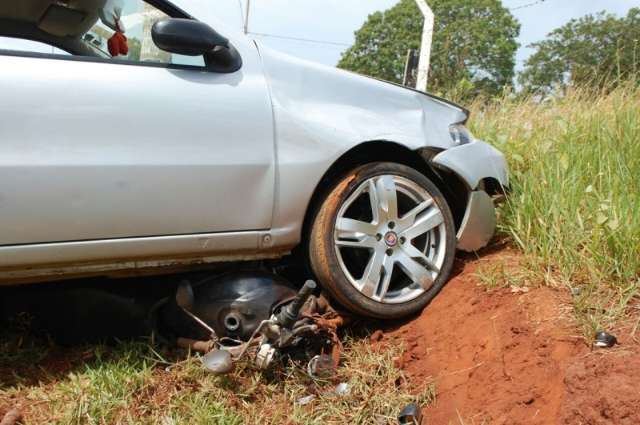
pixel 425 48
pixel 409 67
pixel 246 17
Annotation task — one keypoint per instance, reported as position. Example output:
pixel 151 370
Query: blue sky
pixel 336 20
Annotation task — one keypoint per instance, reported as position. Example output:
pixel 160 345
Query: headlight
pixel 460 134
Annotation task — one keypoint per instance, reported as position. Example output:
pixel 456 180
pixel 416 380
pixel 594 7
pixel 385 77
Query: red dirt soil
pixel 515 357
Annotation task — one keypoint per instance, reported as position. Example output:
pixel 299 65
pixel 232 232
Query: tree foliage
pixel 474 45
pixel 590 51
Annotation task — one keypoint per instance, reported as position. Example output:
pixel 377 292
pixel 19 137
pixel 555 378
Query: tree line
pixel 475 43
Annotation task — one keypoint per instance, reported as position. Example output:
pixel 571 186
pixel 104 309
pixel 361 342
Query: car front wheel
pixel 383 241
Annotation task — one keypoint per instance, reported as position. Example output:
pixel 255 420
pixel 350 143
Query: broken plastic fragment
pixel 605 340
pixel 410 415
pixel 305 400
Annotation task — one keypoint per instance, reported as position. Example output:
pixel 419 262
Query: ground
pixel 514 356
pixel 494 355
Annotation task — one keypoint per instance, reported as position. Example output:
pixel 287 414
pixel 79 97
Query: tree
pixel 474 44
pixel 593 50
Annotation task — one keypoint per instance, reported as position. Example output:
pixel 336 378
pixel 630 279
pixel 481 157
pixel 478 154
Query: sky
pixel 336 20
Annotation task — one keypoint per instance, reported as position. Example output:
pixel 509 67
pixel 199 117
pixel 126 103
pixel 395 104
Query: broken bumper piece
pixel 475 163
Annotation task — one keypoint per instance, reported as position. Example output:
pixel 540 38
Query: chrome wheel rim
pixel 392 229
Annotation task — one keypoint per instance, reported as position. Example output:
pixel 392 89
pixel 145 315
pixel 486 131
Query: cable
pixel 524 6
pixel 304 40
pixel 241 11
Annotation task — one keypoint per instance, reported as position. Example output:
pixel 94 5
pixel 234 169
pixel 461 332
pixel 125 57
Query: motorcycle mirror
pixel 219 362
pixel 184 296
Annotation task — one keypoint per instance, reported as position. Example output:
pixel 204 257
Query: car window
pixel 134 20
pixel 22 45
pixel 108 29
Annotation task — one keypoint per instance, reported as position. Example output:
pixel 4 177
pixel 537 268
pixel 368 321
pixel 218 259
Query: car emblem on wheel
pixel 391 239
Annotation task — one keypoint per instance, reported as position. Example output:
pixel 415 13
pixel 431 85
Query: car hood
pixel 329 103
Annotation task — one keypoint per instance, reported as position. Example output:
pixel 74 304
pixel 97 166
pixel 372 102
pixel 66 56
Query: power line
pixel 304 40
pixel 524 6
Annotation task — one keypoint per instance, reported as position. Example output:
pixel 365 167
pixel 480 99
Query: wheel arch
pixel 452 187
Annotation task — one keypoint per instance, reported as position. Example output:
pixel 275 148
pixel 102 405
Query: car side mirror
pixel 186 37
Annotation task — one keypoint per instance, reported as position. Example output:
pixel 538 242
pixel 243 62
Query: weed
pixel 575 180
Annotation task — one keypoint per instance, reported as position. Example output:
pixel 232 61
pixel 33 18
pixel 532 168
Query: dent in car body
pixel 474 162
pixel 321 113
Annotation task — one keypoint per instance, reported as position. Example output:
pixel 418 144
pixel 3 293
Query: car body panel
pixel 223 172
pixel 107 150
pixel 322 112
pixel 475 162
pixel 52 261
pixel 479 223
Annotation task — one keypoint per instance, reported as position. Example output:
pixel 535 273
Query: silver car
pixel 151 137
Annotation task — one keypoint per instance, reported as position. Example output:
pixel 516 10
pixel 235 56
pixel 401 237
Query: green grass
pixel 574 210
pixel 132 383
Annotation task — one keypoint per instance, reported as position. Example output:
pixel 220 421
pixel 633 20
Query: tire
pixel 345 254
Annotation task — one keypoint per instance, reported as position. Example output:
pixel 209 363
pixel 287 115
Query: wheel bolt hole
pixel 389 252
pixel 402 240
pixel 379 237
pixel 392 225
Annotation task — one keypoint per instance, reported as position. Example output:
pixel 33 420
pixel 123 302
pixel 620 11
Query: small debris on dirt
pixel 605 340
pixel 410 415
pixel 376 336
pixel 321 366
pixel 12 417
pixel 305 400
pixel 519 289
pixel 342 389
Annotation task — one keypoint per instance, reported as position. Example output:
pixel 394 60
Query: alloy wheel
pixel 390 239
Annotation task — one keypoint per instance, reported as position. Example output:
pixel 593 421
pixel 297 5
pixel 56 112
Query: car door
pixel 95 149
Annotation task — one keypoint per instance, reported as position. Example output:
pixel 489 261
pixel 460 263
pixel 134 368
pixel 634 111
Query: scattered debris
pixel 219 362
pixel 410 415
pixel 321 366
pixel 342 389
pixel 605 340
pixel 305 400
pixel 13 416
pixel 576 291
pixel 519 289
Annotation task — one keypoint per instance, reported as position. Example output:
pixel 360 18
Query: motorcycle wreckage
pixel 252 315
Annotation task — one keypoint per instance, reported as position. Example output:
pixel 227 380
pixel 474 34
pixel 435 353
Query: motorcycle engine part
pixel 185 300
pixel 233 304
pixel 321 366
pixel 288 315
pixel 219 362
pixel 184 295
pixel 265 356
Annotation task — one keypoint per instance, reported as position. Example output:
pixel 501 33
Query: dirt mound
pixel 513 356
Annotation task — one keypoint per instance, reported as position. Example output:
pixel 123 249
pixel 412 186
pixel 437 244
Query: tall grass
pixel 574 210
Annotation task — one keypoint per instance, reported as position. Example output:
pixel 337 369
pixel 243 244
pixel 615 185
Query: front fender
pixel 474 162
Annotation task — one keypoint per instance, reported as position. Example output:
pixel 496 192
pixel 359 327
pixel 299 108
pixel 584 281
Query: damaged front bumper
pixel 476 164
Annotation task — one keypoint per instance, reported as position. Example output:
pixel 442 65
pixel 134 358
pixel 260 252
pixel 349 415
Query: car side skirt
pixel 130 256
